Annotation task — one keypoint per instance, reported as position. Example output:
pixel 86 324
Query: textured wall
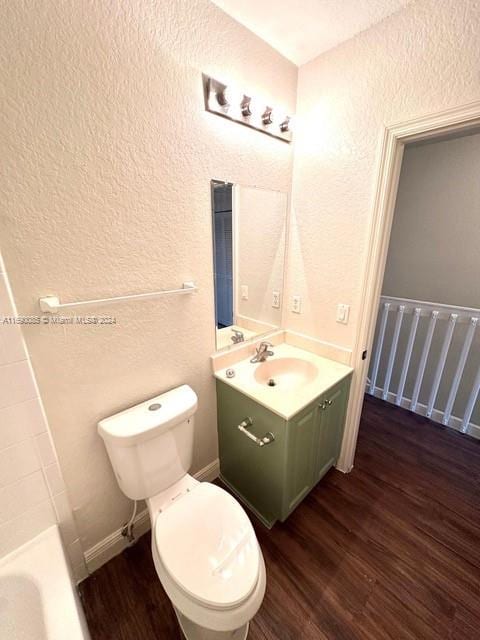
pixel 434 251
pixel 420 60
pixel 107 157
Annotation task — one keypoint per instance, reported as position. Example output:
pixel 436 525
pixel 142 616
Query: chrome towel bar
pixel 261 442
pixel 52 304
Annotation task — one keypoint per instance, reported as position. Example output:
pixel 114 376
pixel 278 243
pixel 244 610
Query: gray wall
pixel 434 251
pixel 434 255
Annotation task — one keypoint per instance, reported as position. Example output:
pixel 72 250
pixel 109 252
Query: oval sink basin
pixel 285 373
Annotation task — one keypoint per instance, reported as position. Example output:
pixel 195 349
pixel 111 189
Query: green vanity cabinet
pixel 273 479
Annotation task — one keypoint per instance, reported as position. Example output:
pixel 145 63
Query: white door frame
pixel 394 139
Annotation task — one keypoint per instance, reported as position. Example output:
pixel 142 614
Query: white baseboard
pixel 437 416
pixel 208 473
pixel 115 543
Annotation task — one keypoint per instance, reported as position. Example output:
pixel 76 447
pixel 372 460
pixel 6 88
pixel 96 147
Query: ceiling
pixel 302 29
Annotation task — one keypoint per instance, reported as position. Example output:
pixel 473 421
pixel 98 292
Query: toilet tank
pixel 150 445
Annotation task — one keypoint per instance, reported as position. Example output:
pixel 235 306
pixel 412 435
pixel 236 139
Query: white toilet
pixel 204 547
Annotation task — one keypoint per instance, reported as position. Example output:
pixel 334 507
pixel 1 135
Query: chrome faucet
pixel 262 352
pixel 237 336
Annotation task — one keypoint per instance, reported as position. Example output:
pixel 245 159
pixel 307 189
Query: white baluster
pixel 441 362
pixel 471 402
pixel 423 360
pixel 393 350
pixel 459 371
pixel 378 348
pixel 408 354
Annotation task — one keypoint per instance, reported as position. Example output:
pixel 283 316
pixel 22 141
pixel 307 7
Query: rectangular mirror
pixel 249 229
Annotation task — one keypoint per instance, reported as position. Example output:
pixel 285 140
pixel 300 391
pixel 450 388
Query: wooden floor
pixel 391 550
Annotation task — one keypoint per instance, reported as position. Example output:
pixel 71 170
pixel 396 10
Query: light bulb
pixel 221 97
pixel 285 123
pixel 245 105
pixel 257 108
pixel 234 98
pixel 249 107
pixel 267 116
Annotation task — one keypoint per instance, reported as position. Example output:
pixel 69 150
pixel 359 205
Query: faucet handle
pixel 261 351
pixel 263 348
pixel 237 336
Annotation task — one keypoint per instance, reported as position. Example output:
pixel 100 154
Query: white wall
pixel 434 251
pixel 420 60
pixel 32 491
pixel 108 156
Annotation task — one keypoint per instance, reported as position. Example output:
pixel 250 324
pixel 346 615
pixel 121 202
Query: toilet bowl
pixel 208 560
pixel 204 547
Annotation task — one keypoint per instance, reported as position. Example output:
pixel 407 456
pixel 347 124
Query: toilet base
pixel 193 631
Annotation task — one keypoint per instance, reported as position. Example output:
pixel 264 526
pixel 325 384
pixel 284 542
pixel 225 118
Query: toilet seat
pixel 207 546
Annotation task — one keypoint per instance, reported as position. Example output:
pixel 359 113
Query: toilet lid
pixel 208 546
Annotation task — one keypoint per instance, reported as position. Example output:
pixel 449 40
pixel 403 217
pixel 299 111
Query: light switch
pixel 276 299
pixel 244 291
pixel 297 304
pixel 343 311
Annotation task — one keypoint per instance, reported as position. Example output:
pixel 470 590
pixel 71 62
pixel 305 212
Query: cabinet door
pixel 255 474
pixel 301 445
pixel 331 421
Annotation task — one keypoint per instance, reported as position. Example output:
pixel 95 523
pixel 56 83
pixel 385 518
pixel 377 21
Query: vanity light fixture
pixel 224 100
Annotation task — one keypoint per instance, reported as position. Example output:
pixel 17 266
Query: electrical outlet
pixel 343 311
pixel 276 299
pixel 244 291
pixel 297 304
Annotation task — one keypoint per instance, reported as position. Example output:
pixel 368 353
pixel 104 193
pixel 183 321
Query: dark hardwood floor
pixel 391 550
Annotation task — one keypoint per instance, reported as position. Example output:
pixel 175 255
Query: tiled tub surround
pixel 32 491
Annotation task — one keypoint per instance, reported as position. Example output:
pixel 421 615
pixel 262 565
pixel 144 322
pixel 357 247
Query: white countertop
pixel 279 399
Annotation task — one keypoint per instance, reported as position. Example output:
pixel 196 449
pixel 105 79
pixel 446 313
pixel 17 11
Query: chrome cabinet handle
pixel 261 442
pixel 326 403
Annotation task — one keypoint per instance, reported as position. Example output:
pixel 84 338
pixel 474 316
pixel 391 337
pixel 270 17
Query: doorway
pixel 451 122
pixel 426 349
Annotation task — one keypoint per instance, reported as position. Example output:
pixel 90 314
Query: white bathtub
pixel 38 599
